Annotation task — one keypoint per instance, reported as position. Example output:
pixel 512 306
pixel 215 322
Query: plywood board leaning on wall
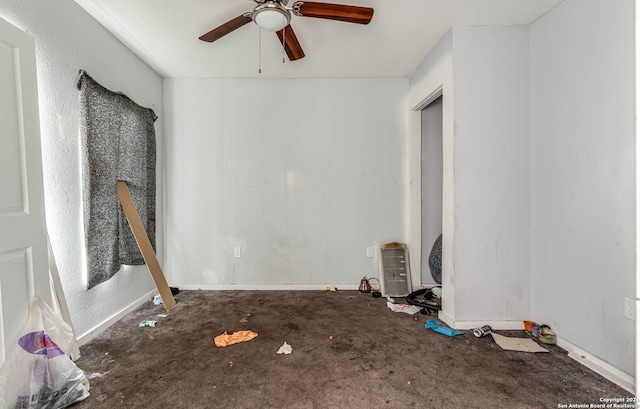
pixel 137 228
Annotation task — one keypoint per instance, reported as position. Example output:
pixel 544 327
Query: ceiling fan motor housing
pixel 271 16
pixel 283 2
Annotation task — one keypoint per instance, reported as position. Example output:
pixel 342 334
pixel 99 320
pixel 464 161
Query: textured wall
pixel 67 40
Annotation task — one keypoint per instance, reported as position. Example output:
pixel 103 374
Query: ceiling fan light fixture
pixel 271 16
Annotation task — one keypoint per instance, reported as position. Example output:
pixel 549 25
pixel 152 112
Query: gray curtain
pixel 117 143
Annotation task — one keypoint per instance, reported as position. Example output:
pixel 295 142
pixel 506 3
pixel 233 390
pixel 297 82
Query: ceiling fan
pixel 273 15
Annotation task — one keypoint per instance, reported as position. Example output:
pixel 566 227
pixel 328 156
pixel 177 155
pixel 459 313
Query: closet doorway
pixel 431 170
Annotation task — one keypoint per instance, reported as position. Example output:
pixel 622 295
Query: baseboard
pixel 447 319
pixel 267 287
pixel 500 325
pixel 95 331
pixel 598 365
pixel 465 325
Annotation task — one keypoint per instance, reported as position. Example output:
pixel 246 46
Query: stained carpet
pixel 349 351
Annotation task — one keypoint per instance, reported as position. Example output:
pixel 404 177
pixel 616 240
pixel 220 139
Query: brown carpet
pixel 377 358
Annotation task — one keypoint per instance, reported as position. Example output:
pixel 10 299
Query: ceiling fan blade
pixel 340 12
pixel 226 28
pixel 290 42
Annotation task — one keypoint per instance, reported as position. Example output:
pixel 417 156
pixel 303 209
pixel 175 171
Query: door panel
pixel 16 288
pixel 12 166
pixel 23 246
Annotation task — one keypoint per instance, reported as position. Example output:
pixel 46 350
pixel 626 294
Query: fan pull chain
pixel 284 42
pixel 259 50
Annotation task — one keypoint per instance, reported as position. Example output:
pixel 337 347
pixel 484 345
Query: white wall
pixel 491 114
pixel 582 175
pixel 433 75
pixel 67 40
pixel 483 72
pixel 303 175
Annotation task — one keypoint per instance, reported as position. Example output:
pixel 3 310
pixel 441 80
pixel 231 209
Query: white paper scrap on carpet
pixel 517 344
pixel 409 309
pixel 285 349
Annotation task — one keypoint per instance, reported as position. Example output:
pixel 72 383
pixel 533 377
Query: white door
pixel 23 240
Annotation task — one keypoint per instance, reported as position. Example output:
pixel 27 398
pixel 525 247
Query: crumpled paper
pixel 285 349
pixel 238 336
pixel 409 309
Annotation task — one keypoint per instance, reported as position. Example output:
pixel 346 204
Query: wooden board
pixel 145 246
pixel 58 291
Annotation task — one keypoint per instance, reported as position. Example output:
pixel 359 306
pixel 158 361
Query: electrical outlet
pixel 629 308
pixel 237 252
pixel 369 252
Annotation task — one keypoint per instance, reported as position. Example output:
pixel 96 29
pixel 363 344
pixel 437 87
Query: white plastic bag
pixel 37 374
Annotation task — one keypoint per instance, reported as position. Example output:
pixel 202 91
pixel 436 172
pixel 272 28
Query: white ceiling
pixel 165 34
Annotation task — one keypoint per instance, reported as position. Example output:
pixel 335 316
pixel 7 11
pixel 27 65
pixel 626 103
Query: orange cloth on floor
pixel 238 336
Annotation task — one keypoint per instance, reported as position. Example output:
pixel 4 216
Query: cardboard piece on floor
pixel 517 344
pixel 145 246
